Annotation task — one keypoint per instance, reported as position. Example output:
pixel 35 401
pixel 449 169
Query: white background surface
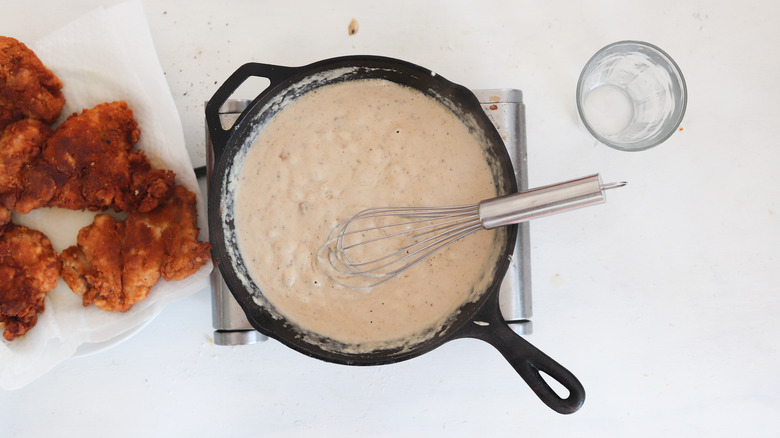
pixel 664 302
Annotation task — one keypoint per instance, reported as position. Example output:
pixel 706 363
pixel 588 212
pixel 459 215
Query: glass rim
pixel 683 87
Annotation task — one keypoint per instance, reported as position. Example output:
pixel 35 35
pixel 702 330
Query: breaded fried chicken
pixel 29 269
pixel 20 146
pixel 89 164
pixel 115 263
pixel 176 222
pixel 96 274
pixel 27 88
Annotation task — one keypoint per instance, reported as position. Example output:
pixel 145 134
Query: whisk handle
pixel 543 201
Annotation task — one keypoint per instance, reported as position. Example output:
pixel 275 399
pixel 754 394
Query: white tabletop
pixel 664 302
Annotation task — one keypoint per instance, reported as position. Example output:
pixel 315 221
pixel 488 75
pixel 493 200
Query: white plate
pixel 90 348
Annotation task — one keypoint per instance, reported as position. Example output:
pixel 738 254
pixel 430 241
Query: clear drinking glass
pixel 631 95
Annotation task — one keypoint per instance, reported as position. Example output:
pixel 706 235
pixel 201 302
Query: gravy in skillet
pixel 335 151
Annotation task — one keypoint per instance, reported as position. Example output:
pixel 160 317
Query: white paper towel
pixel 103 56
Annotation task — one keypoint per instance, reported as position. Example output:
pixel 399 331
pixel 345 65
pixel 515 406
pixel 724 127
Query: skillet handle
pixel 220 136
pixel 488 325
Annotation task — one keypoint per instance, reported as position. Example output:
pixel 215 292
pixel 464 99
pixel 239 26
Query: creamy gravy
pixel 333 152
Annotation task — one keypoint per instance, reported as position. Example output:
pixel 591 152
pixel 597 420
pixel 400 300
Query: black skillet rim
pixel 283 331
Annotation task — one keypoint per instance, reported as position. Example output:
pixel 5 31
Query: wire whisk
pixel 380 243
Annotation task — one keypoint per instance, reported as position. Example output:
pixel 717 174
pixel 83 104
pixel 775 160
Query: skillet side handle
pixel 220 136
pixel 527 360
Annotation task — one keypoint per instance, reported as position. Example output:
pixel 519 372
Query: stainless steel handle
pixel 543 201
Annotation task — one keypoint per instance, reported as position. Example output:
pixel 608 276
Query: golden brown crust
pixel 20 145
pixel 5 218
pixel 93 269
pixel 27 88
pixel 115 264
pixel 89 163
pixel 29 269
pixel 177 222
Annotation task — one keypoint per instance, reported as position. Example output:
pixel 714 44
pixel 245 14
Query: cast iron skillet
pixel 480 319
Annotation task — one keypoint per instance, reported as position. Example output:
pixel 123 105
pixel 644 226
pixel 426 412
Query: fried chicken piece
pixel 20 146
pixel 29 269
pixel 144 252
pixel 96 273
pixel 89 164
pixel 27 88
pixel 176 223
pixel 115 263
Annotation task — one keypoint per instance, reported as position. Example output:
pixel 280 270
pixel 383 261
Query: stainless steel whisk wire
pixel 458 221
pixel 425 230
